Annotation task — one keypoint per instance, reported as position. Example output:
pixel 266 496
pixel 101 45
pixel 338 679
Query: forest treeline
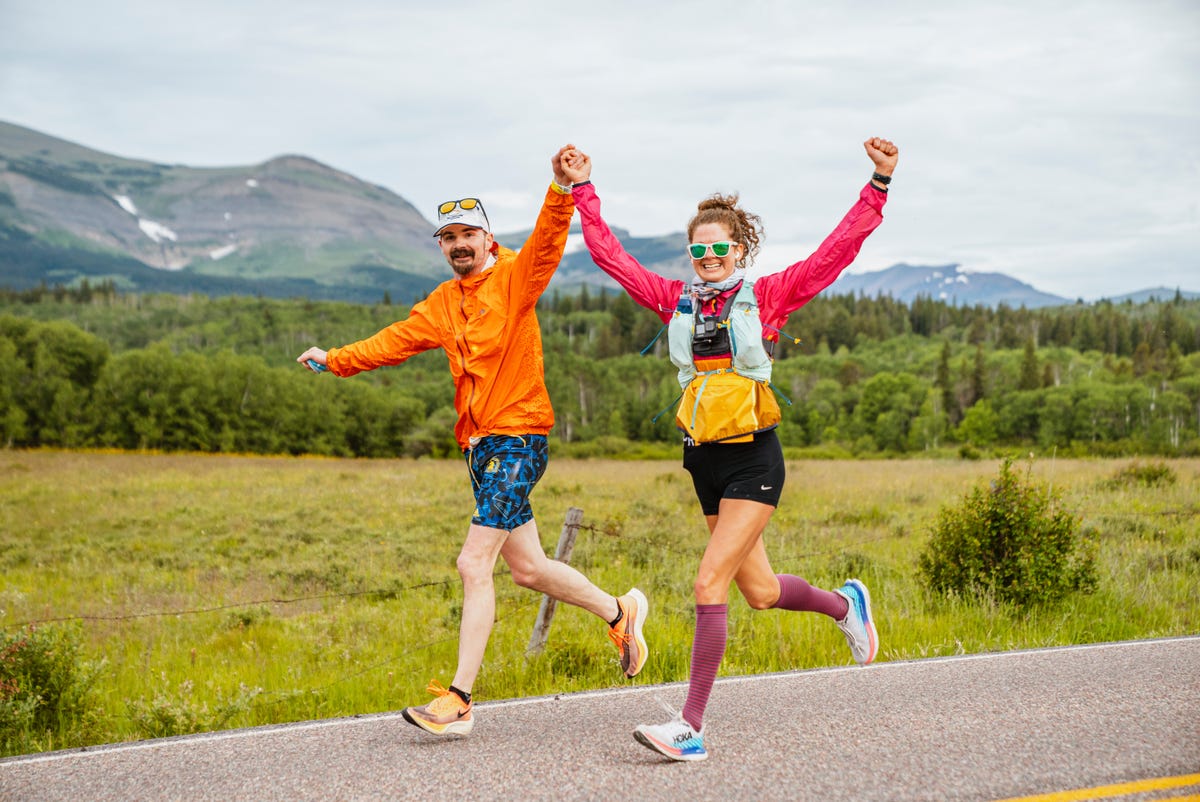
pixel 92 367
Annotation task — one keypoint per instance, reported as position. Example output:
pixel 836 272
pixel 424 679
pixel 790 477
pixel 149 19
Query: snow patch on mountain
pixel 126 203
pixel 156 231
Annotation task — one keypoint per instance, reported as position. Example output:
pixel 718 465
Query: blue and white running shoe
pixel 676 739
pixel 858 626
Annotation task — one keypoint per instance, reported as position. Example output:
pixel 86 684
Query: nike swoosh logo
pixel 765 487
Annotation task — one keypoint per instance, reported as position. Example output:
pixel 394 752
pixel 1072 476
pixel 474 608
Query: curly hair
pixel 743 227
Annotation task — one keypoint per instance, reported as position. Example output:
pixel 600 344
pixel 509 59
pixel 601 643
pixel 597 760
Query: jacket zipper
pixel 462 357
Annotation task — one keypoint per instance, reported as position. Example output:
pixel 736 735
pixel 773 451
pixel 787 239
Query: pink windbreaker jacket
pixel 778 294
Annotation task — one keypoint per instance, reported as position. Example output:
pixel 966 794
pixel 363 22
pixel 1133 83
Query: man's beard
pixel 458 268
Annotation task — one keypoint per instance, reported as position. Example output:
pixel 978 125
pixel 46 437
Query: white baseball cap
pixel 463 212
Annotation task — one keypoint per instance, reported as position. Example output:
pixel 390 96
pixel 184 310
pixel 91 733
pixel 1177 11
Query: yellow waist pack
pixel 721 405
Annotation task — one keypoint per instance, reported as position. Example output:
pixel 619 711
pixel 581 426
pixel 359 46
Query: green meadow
pixel 211 592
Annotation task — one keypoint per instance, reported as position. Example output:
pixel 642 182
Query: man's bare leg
pixel 532 569
pixel 476 566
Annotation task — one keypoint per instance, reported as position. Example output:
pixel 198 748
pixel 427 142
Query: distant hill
pixel 1155 294
pixel 949 283
pixel 290 225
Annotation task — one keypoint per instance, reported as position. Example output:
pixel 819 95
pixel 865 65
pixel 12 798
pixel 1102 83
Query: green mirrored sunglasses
pixel 697 249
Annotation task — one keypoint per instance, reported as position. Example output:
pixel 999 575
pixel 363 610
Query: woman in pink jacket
pixel 722 327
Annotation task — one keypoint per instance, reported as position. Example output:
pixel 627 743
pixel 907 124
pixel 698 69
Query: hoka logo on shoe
pixel 683 738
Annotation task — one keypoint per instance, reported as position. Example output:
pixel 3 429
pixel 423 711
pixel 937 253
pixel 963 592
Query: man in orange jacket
pixel 484 319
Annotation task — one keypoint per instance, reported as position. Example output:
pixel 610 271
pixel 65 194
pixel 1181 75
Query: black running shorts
pixel 753 471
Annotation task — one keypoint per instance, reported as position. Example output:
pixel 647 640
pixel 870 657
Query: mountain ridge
pixel 289 219
pixel 949 283
pixel 292 225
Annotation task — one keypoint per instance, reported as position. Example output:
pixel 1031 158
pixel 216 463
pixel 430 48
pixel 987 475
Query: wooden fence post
pixel 566 543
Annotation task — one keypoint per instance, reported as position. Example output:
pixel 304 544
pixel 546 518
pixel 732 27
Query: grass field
pixel 217 591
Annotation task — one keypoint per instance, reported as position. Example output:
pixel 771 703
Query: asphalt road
pixel 984 727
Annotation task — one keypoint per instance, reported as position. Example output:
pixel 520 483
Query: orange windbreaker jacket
pixel 489 330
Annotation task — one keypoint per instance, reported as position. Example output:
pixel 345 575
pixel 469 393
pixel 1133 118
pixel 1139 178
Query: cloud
pixel 1053 141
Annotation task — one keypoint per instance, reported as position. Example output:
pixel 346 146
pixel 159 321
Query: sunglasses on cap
pixel 464 211
pixel 463 203
pixel 697 249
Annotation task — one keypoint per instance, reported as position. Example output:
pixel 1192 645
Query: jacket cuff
pixel 556 198
pixel 873 196
pixel 331 361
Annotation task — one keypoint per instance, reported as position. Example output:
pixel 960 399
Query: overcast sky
pixel 1055 142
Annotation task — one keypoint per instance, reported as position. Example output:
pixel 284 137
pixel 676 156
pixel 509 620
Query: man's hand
pixel 556 164
pixel 883 153
pixel 314 354
pixel 577 166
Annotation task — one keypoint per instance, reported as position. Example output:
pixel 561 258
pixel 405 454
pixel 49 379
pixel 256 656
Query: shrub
pixel 969 452
pixel 16 708
pixel 1010 541
pixel 45 686
pixel 180 712
pixel 1154 474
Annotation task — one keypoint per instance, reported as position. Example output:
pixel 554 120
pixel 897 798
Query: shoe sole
pixel 643 610
pixel 655 746
pixel 868 622
pixel 459 727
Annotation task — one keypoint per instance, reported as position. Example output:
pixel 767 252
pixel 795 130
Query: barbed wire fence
pixel 387 592
pixel 393 590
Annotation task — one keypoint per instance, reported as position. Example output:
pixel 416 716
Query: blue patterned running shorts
pixel 504 470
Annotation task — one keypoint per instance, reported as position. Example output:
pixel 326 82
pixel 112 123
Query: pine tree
pixel 1029 380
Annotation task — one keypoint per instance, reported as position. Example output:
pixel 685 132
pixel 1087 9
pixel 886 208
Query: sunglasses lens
pixel 465 203
pixel 719 249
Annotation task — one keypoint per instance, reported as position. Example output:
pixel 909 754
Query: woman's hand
pixel 556 164
pixel 883 153
pixel 576 165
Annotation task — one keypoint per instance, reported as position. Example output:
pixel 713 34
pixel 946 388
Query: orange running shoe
pixel 448 714
pixel 627 634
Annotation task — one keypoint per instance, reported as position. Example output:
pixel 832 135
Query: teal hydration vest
pixel 751 353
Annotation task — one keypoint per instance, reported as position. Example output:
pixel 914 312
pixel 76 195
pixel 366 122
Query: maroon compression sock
pixel 708 649
pixel 796 594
